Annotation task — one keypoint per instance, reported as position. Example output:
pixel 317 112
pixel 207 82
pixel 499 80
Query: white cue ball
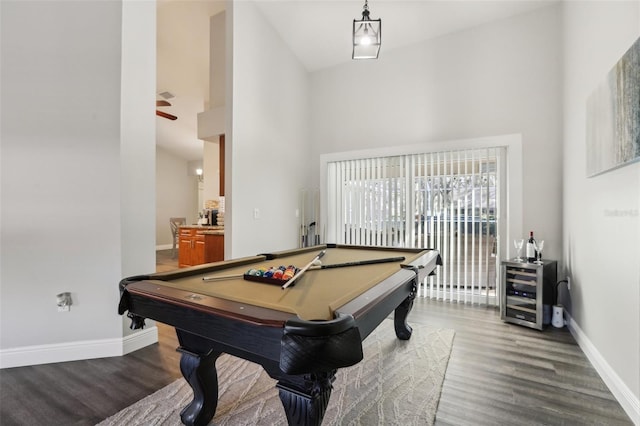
pixel 317 262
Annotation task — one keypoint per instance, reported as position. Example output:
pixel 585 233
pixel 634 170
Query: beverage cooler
pixel 528 292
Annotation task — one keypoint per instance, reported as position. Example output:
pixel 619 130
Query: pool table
pixel 300 335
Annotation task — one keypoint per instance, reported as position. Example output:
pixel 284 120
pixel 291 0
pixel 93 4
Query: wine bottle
pixel 531 248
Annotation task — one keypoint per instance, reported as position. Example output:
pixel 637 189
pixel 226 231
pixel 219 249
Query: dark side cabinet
pixel 526 288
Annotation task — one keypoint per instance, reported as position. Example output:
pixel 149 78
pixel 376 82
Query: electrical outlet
pixel 256 213
pixel 568 283
pixel 64 302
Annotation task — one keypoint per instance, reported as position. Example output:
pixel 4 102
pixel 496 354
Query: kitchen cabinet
pixel 198 245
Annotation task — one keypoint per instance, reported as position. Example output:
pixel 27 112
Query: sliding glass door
pixel 450 201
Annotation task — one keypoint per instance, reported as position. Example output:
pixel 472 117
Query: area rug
pixel 397 383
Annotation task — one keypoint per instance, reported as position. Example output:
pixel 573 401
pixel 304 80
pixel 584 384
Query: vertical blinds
pixel 443 200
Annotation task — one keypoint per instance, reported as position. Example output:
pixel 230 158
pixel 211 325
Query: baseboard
pixel 629 402
pixel 74 351
pixel 164 247
pixel 139 340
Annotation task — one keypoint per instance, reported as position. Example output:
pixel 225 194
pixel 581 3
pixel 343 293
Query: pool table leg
pixel 404 330
pixel 201 374
pixel 305 405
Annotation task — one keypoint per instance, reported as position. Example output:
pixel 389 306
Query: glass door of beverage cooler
pixel 521 292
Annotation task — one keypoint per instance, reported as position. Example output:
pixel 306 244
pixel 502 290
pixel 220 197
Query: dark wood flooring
pixel 498 374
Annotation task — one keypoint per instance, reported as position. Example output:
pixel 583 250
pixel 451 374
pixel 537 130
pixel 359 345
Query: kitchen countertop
pixel 206 229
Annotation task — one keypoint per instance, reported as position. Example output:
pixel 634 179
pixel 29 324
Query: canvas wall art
pixel 613 116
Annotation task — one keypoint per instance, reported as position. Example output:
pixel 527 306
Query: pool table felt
pixel 315 295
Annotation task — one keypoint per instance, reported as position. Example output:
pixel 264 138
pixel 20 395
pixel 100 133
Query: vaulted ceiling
pixel 317 31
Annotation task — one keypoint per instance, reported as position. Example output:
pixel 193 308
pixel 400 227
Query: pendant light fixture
pixel 367 36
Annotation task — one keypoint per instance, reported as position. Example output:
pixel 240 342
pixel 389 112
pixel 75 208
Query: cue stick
pixel 316 267
pixel 361 262
pixel 303 270
pixel 222 277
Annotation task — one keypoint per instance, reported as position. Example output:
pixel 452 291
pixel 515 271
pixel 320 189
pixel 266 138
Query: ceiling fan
pixel 162 113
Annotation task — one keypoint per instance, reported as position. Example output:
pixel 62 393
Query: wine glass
pixel 518 245
pixel 539 245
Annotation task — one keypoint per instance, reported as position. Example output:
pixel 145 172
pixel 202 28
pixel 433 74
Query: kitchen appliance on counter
pixel 208 217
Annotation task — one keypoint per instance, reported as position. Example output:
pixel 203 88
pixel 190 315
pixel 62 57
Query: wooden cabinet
pixel 214 248
pixel 197 246
pixel 526 288
pixel 187 250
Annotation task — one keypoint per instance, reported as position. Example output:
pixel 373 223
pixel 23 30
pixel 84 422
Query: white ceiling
pixel 317 31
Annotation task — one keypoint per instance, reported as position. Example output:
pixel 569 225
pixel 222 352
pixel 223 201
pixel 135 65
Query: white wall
pixel 137 138
pixel 217 60
pixel 268 141
pixel 211 167
pixel 176 195
pixel 601 247
pixel 496 79
pixel 65 149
